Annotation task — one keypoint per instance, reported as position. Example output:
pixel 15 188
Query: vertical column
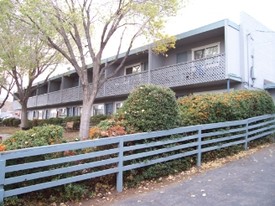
pixel 246 136
pixel 48 93
pixel 149 64
pixel 199 147
pixel 228 85
pixel 61 88
pixel 2 179
pixel 119 180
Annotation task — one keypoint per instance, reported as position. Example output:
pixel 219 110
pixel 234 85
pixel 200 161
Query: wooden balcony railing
pixel 182 74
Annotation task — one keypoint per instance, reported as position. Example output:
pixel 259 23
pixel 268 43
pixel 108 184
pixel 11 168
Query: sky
pixel 198 13
pixel 202 12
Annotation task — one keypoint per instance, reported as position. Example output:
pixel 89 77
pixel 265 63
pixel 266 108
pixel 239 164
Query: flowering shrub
pixel 2 147
pixel 150 108
pixel 94 133
pixel 108 128
pixel 211 108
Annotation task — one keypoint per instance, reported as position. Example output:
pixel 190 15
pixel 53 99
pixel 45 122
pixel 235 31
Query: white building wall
pixel 232 51
pixel 258 52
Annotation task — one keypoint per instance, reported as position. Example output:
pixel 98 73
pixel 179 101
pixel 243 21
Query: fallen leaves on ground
pixel 162 182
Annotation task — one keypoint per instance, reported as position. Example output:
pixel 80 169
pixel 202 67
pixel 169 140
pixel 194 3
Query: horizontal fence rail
pixel 37 168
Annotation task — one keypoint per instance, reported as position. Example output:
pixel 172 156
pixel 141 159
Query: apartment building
pixel 218 57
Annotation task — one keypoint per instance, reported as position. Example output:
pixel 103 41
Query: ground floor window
pixel 98 109
pixel 118 105
pixel 62 112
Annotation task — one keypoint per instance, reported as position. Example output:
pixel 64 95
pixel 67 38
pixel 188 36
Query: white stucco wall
pixel 232 51
pixel 258 51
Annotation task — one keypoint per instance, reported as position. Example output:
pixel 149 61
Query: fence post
pixel 199 147
pixel 119 179
pixel 2 179
pixel 246 136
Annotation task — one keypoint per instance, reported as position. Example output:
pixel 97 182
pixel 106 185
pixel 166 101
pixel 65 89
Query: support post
pixel 228 85
pixel 199 148
pixel 119 179
pixel 246 136
pixel 2 179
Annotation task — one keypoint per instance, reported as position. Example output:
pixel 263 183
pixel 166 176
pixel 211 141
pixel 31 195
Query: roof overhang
pixel 269 86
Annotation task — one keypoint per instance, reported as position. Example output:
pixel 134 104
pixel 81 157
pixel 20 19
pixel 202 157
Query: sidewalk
pixel 249 181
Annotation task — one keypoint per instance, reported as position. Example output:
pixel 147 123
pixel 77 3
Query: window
pixel 53 113
pixel 206 51
pixel 109 108
pixel 118 105
pixel 133 69
pixel 182 57
pixel 98 109
pixel 62 112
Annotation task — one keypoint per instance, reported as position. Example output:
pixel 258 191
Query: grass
pixel 69 135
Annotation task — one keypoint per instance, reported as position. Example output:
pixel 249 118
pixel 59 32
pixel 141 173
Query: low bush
pixel 150 108
pixel 11 122
pixel 237 105
pixel 37 136
pixel 96 119
pixel 62 121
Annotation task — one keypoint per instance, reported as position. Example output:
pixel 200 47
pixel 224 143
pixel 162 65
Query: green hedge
pixel 62 121
pixel 150 108
pixel 37 136
pixel 11 122
pixel 237 105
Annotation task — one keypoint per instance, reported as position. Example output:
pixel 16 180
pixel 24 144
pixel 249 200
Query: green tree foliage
pixel 24 57
pixel 82 31
pixel 150 108
pixel 237 105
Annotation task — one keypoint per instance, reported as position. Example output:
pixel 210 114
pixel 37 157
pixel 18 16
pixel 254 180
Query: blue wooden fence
pixel 31 169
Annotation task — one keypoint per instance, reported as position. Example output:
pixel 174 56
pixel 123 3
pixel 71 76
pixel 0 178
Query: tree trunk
pixel 24 116
pixel 86 113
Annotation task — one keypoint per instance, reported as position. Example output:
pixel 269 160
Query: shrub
pixel 237 105
pixel 37 136
pixel 16 122
pixel 75 119
pixel 108 128
pixel 97 119
pixel 55 121
pixel 150 108
pixel 11 122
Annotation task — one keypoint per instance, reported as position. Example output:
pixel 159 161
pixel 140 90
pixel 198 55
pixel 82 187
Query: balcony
pixel 183 74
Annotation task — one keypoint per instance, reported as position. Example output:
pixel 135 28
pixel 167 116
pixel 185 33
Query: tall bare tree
pixel 87 28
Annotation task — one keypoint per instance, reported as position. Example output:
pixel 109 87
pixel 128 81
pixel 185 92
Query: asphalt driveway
pixel 249 181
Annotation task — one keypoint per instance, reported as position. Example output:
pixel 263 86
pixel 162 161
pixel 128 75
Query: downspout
pixel 226 47
pixel 248 60
pixel 228 85
pixel 226 54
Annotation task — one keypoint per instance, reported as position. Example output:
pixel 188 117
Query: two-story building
pixel 218 57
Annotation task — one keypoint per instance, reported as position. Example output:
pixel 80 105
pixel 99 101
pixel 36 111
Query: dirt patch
pixel 71 135
pixel 8 130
